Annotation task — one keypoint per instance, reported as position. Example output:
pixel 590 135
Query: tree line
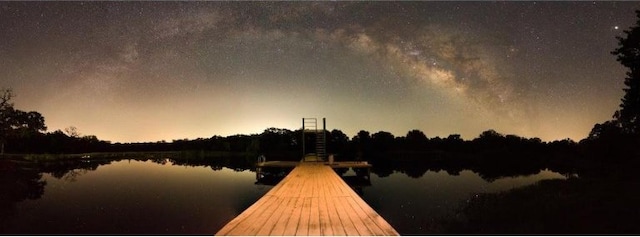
pixel 24 132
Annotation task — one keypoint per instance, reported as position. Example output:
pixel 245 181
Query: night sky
pixel 150 71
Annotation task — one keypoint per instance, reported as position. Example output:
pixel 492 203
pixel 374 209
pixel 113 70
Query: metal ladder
pixel 310 125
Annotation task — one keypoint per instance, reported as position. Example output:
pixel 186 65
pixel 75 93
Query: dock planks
pixel 311 200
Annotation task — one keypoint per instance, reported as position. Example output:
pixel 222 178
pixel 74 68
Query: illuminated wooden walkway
pixel 311 200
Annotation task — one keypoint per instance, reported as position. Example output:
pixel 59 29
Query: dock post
pixel 303 146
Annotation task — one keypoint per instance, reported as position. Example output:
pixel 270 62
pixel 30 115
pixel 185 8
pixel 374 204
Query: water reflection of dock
pixel 311 200
pixel 355 165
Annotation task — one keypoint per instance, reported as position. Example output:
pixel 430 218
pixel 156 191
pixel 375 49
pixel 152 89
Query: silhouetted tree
pixel 490 134
pixel 453 142
pixel 382 141
pixel 628 54
pixel 276 139
pixel 16 122
pixel 72 131
pixel 27 124
pixel 489 139
pixel 416 140
pixel 362 142
pixel 606 130
pixel 6 112
pixel 338 142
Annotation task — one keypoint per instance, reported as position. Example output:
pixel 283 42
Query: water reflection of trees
pixel 17 184
pixel 22 179
pixel 236 163
pixel 70 170
pixel 488 166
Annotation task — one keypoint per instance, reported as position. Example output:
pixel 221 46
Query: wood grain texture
pixel 311 200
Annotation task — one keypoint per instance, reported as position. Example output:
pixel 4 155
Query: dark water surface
pixel 420 205
pixel 151 197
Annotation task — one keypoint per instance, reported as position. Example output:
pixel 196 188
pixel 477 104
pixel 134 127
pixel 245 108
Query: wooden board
pixel 311 200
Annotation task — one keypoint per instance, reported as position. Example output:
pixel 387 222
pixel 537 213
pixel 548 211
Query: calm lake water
pixel 145 197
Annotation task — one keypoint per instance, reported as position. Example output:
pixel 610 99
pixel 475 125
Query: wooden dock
pixel 261 166
pixel 311 200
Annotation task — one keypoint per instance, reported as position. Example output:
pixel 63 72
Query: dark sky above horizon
pixel 150 71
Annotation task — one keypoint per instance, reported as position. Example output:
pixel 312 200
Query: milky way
pixel 148 71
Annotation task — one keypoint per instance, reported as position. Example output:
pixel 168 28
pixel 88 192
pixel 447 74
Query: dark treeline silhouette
pixel 491 154
pixel 410 154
